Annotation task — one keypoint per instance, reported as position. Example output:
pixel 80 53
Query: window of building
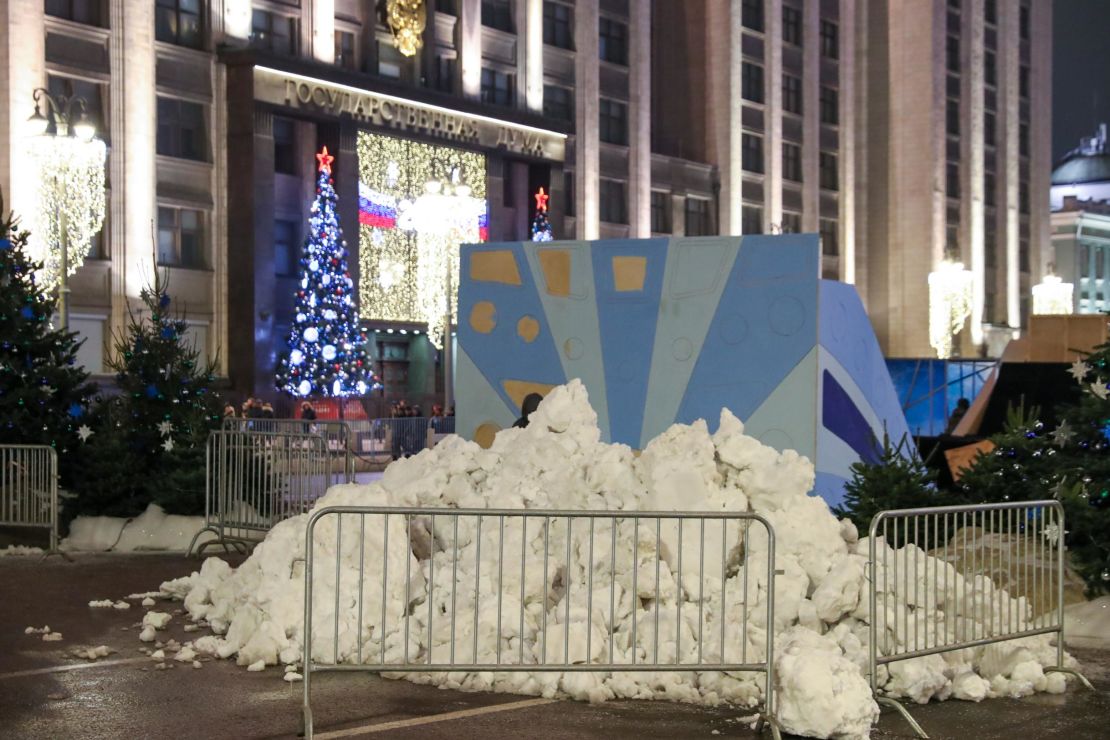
pixel 497 14
pixel 1084 261
pixel 830 238
pixel 989 188
pixel 792 162
pixel 287 248
pixel 498 87
pixel 792 94
pixel 90 92
pixel 285 146
pixel 613 122
pixel 613 204
pixel 791 223
pixel 751 220
pixel 952 53
pixel 390 61
pixel 447 6
pixel 988 128
pixel 952 117
pixel 181 129
pixel 953 22
pixel 791 25
pixel 751 82
pixel 1023 197
pixel 990 73
pixel 1100 263
pixel 89 12
pixel 345 50
pixel 558 25
pixel 660 212
pixel 180 238
pixel 1023 81
pixel 830 105
pixel 1023 22
pixel 558 102
pixel 751 14
pixel 751 147
pixel 828 175
pixel 697 217
pixel 990 11
pixel 830 40
pixel 1023 139
pixel 612 41
pixel 178 22
pixel 444 78
pixel 952 180
pixel 274 32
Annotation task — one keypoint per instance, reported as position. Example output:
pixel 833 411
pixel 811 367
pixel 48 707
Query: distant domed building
pixel 1080 198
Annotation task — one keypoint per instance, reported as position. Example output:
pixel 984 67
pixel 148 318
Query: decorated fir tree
pixel 1069 463
pixel 541 227
pixel 147 444
pixel 44 395
pixel 327 349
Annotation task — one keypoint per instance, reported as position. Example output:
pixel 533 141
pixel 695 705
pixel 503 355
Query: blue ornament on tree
pixel 167 332
pixel 164 300
pixel 5 244
pixel 76 410
pixel 152 391
pixel 27 313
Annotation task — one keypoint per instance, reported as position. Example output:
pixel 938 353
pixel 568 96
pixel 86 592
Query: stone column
pixel 772 120
pixel 22 69
pixel 811 126
pixel 346 187
pixel 1008 65
pixel 531 42
pixel 323 30
pixel 724 107
pixel 847 130
pixel 639 119
pixel 972 165
pixel 586 136
pixel 1040 137
pixel 470 47
pixel 236 19
pixel 134 117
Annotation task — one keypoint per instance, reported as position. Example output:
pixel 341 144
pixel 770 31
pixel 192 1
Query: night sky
pixel 1080 71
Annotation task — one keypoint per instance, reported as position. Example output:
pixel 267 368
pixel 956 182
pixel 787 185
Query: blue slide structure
pixel 672 330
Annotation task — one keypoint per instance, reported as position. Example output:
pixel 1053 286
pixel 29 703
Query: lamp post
pixel 75 158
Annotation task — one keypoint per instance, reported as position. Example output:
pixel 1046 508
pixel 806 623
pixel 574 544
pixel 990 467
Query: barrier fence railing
pixel 337 435
pixel 29 488
pixel 381 579
pixel 256 479
pixel 969 576
pixel 397 437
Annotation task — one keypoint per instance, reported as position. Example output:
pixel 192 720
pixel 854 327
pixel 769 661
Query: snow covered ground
pixel 151 530
pixel 558 462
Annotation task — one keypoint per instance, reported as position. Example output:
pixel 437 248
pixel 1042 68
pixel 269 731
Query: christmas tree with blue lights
pixel 327 350
pixel 541 226
pixel 44 394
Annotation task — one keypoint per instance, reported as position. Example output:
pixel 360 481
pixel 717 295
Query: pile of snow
pixel 20 551
pixel 154 529
pixel 559 462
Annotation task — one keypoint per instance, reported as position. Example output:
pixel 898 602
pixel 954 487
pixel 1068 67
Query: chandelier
pixel 406 21
pixel 1053 296
pixel 443 217
pixel 949 304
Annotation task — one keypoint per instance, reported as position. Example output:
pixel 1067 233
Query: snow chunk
pixel 148 601
pixel 102 604
pixel 258 665
pixel 157 620
pixel 20 551
pixel 52 637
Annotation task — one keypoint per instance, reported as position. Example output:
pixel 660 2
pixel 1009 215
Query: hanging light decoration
pixel 443 217
pixel 1052 295
pixel 406 21
pixel 949 304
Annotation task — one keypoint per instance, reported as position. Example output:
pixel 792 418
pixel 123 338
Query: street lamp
pixel 71 163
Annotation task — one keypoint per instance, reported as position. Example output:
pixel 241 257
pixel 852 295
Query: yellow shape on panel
pixel 483 317
pixel 498 266
pixel 555 264
pixel 518 389
pixel 629 274
pixel 528 329
pixel 485 433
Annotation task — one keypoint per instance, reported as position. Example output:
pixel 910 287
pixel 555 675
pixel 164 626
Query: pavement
pixel 45 692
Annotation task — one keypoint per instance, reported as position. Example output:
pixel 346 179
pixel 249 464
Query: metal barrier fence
pixel 256 479
pixel 337 435
pixel 395 438
pixel 360 608
pixel 982 574
pixel 29 488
